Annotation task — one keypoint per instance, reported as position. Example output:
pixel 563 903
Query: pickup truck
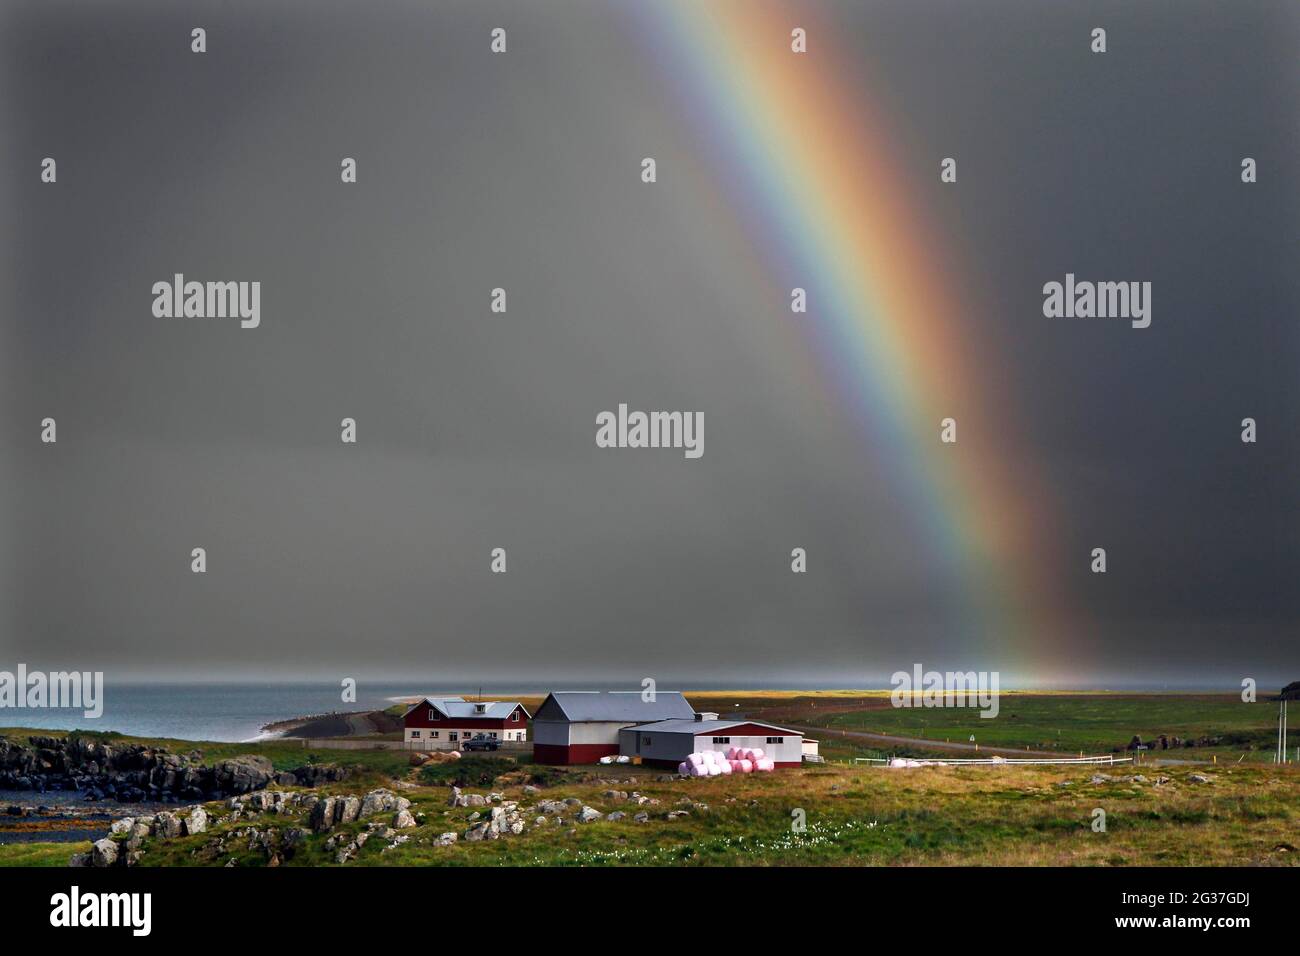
pixel 480 742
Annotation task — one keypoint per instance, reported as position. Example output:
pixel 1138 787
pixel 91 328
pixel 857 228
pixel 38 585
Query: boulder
pixel 167 825
pixel 315 774
pixel 589 815
pixel 135 839
pixel 242 774
pixel 103 853
pixel 403 820
pixel 381 801
pixel 346 809
pixel 197 821
pixel 322 815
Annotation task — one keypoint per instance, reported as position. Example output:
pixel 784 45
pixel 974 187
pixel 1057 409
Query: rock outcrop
pixel 130 772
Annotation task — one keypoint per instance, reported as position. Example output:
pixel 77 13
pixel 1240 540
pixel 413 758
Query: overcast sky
pixel 476 430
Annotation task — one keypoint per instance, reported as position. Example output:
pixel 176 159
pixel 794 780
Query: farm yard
pixel 852 815
pixel 504 809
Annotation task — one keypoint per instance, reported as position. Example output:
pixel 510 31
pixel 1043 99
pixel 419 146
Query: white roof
pixel 460 707
pixel 697 727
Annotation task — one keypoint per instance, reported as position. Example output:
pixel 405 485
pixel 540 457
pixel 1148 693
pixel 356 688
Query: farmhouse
pixel 442 723
pixel 582 726
pixel 667 743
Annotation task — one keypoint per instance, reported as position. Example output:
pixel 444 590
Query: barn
pixel 574 727
pixel 666 743
pixel 444 723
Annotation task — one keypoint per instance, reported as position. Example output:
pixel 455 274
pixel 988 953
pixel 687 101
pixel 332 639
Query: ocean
pixel 218 711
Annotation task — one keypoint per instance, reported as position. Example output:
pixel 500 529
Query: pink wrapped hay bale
pixel 746 766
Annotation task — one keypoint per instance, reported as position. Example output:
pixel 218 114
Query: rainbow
pixel 813 179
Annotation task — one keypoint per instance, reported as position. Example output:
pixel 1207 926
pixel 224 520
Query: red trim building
pixel 666 743
pixel 444 723
pixel 578 727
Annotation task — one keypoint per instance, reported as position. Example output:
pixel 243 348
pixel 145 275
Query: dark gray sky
pixel 477 430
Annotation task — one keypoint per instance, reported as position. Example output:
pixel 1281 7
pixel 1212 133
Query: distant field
pixel 1065 723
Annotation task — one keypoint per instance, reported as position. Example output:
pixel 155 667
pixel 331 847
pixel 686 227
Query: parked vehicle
pixel 481 742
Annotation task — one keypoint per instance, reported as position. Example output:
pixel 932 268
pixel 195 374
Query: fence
pixel 1000 761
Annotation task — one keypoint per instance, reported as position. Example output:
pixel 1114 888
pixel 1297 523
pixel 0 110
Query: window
pixel 776 740
pixel 515 716
pixel 433 714
pixel 414 734
pixel 451 735
pixel 645 741
pixel 433 735
pixel 493 735
pixel 725 740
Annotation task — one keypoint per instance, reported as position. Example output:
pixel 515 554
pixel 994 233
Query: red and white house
pixel 576 727
pixel 666 743
pixel 444 723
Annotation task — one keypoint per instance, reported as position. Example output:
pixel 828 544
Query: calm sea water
pixel 220 712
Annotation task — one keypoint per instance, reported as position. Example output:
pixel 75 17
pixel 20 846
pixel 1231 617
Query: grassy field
pixel 1064 723
pixel 854 816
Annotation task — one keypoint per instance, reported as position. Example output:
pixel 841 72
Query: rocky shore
pixel 132 773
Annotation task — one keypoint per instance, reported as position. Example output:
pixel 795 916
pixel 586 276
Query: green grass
pixel 1070 724
pixel 855 816
pixel 39 854
pixel 1060 722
